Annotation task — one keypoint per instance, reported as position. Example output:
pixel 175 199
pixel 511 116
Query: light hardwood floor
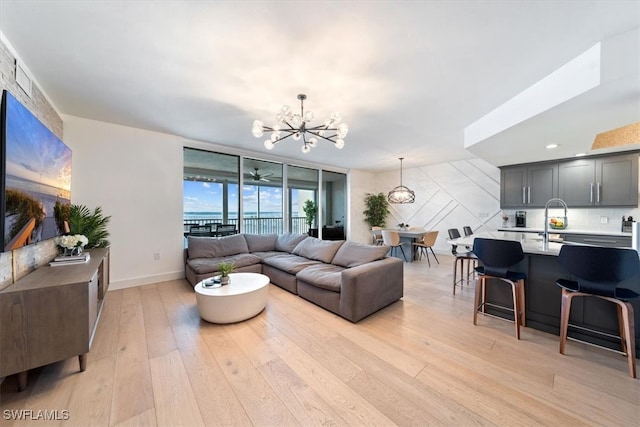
pixel 419 362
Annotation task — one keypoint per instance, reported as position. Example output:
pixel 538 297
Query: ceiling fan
pixel 257 176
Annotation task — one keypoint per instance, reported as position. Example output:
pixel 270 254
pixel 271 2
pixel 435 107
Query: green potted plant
pixel 377 209
pixel 225 269
pixel 92 224
pixel 310 211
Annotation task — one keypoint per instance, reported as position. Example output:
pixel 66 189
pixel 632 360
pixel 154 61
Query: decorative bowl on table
pixel 558 223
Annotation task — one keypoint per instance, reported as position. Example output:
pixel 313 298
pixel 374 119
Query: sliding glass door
pixel 262 197
pixel 302 188
pixel 210 189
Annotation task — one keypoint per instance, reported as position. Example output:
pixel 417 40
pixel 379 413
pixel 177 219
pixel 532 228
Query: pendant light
pixel 401 194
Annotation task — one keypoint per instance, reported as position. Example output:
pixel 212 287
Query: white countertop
pixel 565 231
pixel 531 243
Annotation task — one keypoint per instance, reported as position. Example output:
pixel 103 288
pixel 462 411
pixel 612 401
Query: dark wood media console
pixel 51 315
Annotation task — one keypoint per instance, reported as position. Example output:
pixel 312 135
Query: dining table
pixel 408 238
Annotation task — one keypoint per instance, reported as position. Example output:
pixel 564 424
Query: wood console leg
pixel 22 380
pixel 82 358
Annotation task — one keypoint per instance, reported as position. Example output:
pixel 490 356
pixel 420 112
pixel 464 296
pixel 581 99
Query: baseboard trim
pixel 146 280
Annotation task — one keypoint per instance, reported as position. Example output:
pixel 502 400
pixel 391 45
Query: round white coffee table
pixel 244 297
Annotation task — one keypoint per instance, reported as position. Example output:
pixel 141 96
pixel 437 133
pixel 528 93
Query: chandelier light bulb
pixel 313 142
pixel 274 136
pixel 296 120
pixel 268 144
pixel 296 136
pixel 285 110
pixel 258 128
pixel 340 144
pixel 308 116
pixel 336 118
pixel 343 129
pixel 305 148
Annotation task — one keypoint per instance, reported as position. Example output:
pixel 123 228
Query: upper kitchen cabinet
pixel 528 185
pixel 601 181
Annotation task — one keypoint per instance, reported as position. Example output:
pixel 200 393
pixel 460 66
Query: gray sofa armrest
pixel 369 287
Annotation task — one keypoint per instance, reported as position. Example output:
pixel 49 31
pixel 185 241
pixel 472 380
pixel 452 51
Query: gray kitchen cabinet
pixel 600 181
pixel 528 185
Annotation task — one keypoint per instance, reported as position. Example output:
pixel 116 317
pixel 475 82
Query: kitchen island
pixel 543 296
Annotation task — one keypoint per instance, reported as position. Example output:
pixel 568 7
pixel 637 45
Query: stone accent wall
pixel 20 262
pixel 37 104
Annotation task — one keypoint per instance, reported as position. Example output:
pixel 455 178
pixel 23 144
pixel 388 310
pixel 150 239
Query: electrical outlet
pixel 604 220
pixel 156 256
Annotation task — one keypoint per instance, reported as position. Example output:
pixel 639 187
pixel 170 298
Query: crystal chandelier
pixel 289 124
pixel 401 194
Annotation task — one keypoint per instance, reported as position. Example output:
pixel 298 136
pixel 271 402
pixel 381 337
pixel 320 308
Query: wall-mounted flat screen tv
pixel 35 178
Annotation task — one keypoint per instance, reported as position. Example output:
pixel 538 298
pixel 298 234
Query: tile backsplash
pixel 580 218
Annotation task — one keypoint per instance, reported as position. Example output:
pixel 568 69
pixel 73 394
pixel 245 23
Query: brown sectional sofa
pixel 350 279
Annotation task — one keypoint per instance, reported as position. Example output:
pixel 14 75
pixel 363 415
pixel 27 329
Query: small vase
pixel 224 280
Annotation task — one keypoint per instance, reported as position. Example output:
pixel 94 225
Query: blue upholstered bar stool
pixel 599 272
pixel 497 256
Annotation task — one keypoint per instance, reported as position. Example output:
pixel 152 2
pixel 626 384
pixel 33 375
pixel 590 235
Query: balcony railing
pixel 254 225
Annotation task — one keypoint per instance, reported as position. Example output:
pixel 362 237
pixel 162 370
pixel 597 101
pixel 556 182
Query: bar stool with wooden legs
pixel 461 257
pixel 599 272
pixel 497 256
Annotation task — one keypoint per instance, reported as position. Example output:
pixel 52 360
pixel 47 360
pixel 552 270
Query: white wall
pixel 448 195
pixel 136 177
pixel 359 183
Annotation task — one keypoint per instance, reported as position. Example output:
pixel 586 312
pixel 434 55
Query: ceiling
pixel 407 77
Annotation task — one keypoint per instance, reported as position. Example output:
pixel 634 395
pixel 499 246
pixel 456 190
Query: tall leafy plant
pixel 310 211
pixel 93 225
pixel 377 209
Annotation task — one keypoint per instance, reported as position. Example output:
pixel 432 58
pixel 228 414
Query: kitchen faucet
pixel 545 237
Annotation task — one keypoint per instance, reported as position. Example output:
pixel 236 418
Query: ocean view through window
pixel 212 195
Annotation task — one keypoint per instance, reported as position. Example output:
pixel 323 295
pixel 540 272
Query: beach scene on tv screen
pixel 37 177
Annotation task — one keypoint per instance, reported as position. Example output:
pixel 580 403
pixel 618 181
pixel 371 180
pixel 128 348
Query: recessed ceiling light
pixel 551 146
pixel 580 154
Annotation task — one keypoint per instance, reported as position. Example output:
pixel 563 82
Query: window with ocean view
pixel 265 204
pixel 210 189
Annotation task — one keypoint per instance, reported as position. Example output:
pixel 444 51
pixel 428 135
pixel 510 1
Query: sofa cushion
pixel 210 265
pixel 325 276
pixel 289 263
pixel 261 242
pixel 267 254
pixel 286 242
pixel 320 250
pixel 352 254
pixel 210 247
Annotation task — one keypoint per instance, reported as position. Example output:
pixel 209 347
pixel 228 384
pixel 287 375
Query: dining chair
pixel 467 257
pixel 599 273
pixel 200 230
pixel 498 257
pixel 392 239
pixel 467 230
pixel 376 233
pixel 225 230
pixel 426 244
